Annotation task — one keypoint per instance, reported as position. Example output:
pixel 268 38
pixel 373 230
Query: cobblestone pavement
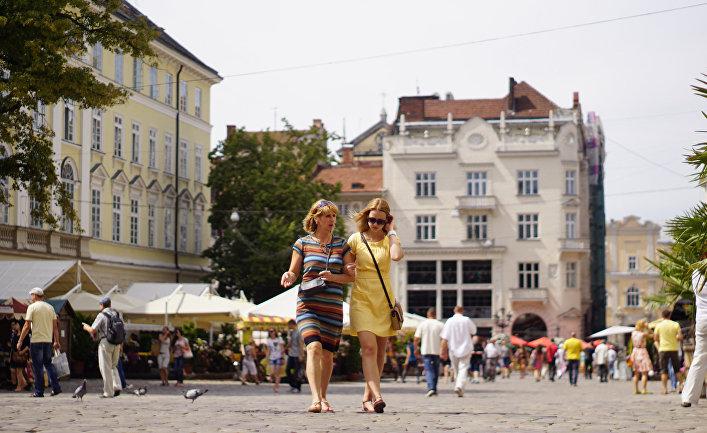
pixel 511 405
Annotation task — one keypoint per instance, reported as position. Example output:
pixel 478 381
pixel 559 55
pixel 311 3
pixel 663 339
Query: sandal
pixel 326 406
pixel 367 406
pixel 315 407
pixel 378 405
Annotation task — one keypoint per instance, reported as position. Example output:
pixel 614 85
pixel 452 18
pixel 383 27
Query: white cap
pixel 37 291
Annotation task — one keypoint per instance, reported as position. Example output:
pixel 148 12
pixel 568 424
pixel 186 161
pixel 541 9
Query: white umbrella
pixel 613 330
pixel 412 321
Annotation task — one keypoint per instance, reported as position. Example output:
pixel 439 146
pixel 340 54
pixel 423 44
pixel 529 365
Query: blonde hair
pixel 641 325
pixel 361 218
pixel 320 207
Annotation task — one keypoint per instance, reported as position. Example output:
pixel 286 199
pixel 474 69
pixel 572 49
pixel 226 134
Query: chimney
pixel 317 123
pixel 230 130
pixel 511 94
pixel 347 151
pixel 449 96
pixel 575 99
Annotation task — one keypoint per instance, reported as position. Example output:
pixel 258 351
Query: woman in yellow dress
pixel 369 311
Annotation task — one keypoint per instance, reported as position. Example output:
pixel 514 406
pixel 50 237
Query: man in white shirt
pixel 611 357
pixel 491 353
pixel 457 346
pixel 427 343
pixel 696 375
pixel 601 355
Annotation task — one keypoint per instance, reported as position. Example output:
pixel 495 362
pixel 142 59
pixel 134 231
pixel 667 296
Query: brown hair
pixel 641 325
pixel 361 218
pixel 320 207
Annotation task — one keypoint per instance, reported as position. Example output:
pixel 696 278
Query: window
pixel 39 116
pixel 198 216
pixel 34 221
pixel 68 180
pixel 633 297
pixel 96 129
pixel 183 96
pixel 119 67
pixel 419 301
pixel 632 263
pixel 152 148
pixel 571 275
pixel 571 225
pixel 169 225
pixel 528 226
pixel 98 56
pixel 477 303
pixel 449 301
pixel 197 102
pixel 197 165
pixel 150 225
pixel 476 183
pixel 154 86
pixel 529 275
pixel 168 89
pixel 527 182
pixel 477 227
pixel 133 221
pixel 96 213
pixel 68 121
pixel 168 153
pixel 425 226
pixel 422 272
pixel 116 218
pixel 5 207
pixel 476 271
pixel 183 223
pixel 183 159
pixel 137 75
pixel 135 157
pixel 570 182
pixel 118 136
pixel 425 184
pixel 449 272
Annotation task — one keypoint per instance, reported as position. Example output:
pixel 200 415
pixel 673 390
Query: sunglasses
pixel 377 221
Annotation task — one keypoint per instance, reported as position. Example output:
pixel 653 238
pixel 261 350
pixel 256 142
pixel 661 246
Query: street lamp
pixel 235 217
pixel 502 319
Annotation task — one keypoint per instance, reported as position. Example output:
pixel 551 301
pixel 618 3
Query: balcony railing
pixel 476 202
pixel 43 241
pixel 579 245
pixel 529 295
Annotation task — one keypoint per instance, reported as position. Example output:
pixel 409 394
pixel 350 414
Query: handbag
pixel 396 311
pixel 317 284
pixel 61 364
pixel 186 351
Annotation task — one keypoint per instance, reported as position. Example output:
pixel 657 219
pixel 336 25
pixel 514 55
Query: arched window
pixel 633 297
pixel 69 181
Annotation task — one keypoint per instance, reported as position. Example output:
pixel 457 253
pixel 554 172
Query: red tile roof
pixel 529 103
pixel 363 176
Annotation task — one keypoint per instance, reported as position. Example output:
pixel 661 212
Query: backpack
pixel 115 331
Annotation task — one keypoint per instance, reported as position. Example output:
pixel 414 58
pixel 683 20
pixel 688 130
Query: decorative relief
pixel 553 270
pixel 476 141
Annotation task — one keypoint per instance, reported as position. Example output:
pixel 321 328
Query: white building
pixel 492 206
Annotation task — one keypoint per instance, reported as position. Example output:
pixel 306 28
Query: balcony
pixel 579 245
pixel 53 243
pixel 476 202
pixel 529 295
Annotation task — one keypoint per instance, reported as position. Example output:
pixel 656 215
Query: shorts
pixel 163 360
pixel 249 367
pixel 672 356
pixel 445 362
pixel 475 364
pixel 506 361
pixel 274 362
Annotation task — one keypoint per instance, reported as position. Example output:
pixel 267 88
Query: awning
pixel 517 341
pixel 55 277
pixel 147 292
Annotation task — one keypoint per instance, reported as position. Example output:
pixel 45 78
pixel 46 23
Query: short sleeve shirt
pixel 42 316
pixel 275 347
pixel 668 331
pixel 458 331
pixel 429 334
pixel 101 323
pixel 295 343
pixel 573 349
pixel 316 258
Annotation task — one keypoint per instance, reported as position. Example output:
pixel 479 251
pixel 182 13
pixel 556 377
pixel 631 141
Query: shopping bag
pixel 61 364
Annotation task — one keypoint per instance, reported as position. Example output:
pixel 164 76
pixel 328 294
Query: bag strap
pixel 326 268
pixel 387 298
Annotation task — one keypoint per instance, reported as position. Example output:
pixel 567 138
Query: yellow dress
pixel 369 309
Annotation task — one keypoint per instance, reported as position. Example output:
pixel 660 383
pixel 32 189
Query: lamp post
pixel 502 319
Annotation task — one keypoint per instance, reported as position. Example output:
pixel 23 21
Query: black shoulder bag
pixel 396 311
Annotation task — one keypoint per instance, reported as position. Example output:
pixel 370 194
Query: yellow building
pixel 119 165
pixel 630 278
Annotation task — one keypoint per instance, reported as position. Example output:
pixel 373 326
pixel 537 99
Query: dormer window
pixel 357 185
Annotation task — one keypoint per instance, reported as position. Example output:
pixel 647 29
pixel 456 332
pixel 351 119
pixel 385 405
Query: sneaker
pixel 53 393
pixel 116 393
pixel 431 393
pixel 459 392
pixel 35 395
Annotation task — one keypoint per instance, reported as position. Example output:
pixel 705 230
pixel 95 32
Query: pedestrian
pixel 573 350
pixel 320 258
pixel 294 352
pixel 560 362
pixel 505 355
pixel 42 321
pixel 536 360
pixel 374 247
pixel 249 369
pixel 180 348
pixel 521 357
pixel 588 362
pixel 696 374
pixel 612 361
pixel 550 358
pixel 667 336
pixel 411 361
pixel 165 339
pixel 18 357
pixel 601 357
pixel 427 343
pixel 457 345
pixel 108 352
pixel 491 354
pixel 275 354
pixel 476 359
pixel 640 359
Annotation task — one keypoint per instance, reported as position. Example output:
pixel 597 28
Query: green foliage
pixel 83 348
pixel 268 179
pixel 41 44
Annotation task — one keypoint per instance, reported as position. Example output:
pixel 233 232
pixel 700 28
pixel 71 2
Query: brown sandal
pixel 327 407
pixel 315 407
pixel 367 406
pixel 378 405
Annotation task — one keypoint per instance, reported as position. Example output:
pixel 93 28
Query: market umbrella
pixel 517 341
pixel 542 341
pixel 613 330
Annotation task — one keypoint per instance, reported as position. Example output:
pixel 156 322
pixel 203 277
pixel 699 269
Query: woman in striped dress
pixel 320 314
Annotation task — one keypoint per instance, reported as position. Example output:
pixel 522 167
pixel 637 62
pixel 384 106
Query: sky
pixel 635 73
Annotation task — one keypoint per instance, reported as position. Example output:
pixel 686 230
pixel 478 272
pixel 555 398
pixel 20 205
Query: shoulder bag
pixel 317 284
pixel 396 311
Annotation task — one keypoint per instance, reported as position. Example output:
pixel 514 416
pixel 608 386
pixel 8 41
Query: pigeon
pixel 80 391
pixel 193 394
pixel 140 391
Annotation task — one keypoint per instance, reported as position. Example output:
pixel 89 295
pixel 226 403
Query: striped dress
pixel 320 315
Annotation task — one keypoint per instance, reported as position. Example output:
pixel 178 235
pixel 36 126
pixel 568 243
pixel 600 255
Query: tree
pixel 42 44
pixel 268 179
pixel 689 232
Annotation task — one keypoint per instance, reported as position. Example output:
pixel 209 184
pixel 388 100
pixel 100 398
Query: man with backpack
pixel 108 329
